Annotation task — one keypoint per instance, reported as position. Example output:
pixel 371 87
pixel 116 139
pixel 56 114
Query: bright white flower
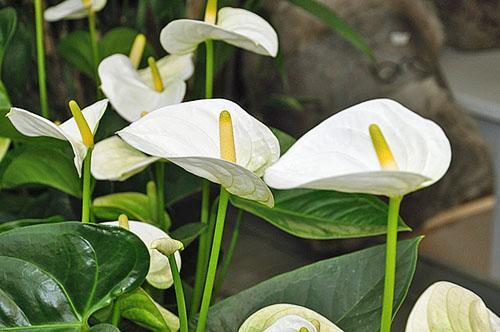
pixel 287 318
pixel 159 274
pixel 187 134
pixel 71 10
pixel 31 124
pixel 339 153
pixel 238 27
pixel 445 306
pixel 115 160
pixel 132 92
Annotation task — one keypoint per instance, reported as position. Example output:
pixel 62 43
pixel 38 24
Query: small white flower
pixel 238 27
pixel 31 124
pixel 159 274
pixel 339 153
pixel 71 10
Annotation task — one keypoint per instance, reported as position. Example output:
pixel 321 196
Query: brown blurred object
pixel 461 237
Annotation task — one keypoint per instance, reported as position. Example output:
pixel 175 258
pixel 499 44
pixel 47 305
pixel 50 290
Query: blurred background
pixel 440 58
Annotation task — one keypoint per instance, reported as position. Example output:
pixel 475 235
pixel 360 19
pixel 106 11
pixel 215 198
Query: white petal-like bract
pixel 115 160
pixel 171 67
pixel 287 317
pixel 445 306
pixel 71 10
pixel 31 124
pixel 338 154
pixel 159 274
pixel 187 134
pixel 235 26
pixel 130 94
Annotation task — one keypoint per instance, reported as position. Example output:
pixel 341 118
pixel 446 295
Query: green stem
pixel 40 52
pixel 95 48
pixel 201 264
pixel 226 261
pixel 179 294
pixel 390 263
pixel 160 195
pixel 209 69
pixel 214 258
pixel 87 194
pixel 115 318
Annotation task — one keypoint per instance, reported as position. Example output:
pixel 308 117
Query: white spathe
pixel 131 91
pixel 71 10
pixel 445 306
pixel 187 134
pixel 115 160
pixel 159 274
pixel 235 26
pixel 338 154
pixel 287 317
pixel 31 124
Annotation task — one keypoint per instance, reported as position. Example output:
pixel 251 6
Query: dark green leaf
pixel 140 308
pixel 104 328
pixel 321 214
pixel 120 40
pixel 179 184
pixel 134 205
pixel 55 276
pixel 331 19
pixel 188 233
pixel 285 140
pixel 76 49
pixel 8 225
pixel 347 290
pixel 8 24
pixel 32 164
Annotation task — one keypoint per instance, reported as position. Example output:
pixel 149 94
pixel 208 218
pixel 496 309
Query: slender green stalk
pixel 160 195
pixel 87 194
pixel 214 258
pixel 95 47
pixel 179 294
pixel 115 318
pixel 209 69
pixel 40 52
pixel 226 261
pixel 201 261
pixel 390 263
pixel 211 229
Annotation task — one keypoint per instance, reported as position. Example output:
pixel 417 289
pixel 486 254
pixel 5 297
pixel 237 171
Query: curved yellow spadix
pixel 384 153
pixel 227 147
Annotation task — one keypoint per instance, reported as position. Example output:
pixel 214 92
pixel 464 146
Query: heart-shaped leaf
pixel 8 225
pixel 134 205
pixel 347 290
pixel 35 164
pixel 321 214
pixel 55 276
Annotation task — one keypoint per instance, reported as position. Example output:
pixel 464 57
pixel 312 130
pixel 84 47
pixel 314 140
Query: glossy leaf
pixel 331 19
pixel 8 24
pixel 4 146
pixel 346 290
pixel 188 233
pixel 33 164
pixel 140 308
pixel 321 214
pixel 134 205
pixel 104 328
pixel 179 184
pixel 8 225
pixel 65 272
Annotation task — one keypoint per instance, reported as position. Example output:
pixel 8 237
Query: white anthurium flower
pixel 132 92
pixel 238 27
pixel 31 124
pixel 71 10
pixel 287 318
pixel 445 306
pixel 115 160
pixel 187 134
pixel 339 153
pixel 159 274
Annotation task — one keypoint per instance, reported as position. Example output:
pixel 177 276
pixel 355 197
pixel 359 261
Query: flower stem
pixel 390 262
pixel 214 258
pixel 179 293
pixel 87 194
pixel 115 318
pixel 95 48
pixel 201 260
pixel 40 52
pixel 209 70
pixel 226 261
pixel 160 194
